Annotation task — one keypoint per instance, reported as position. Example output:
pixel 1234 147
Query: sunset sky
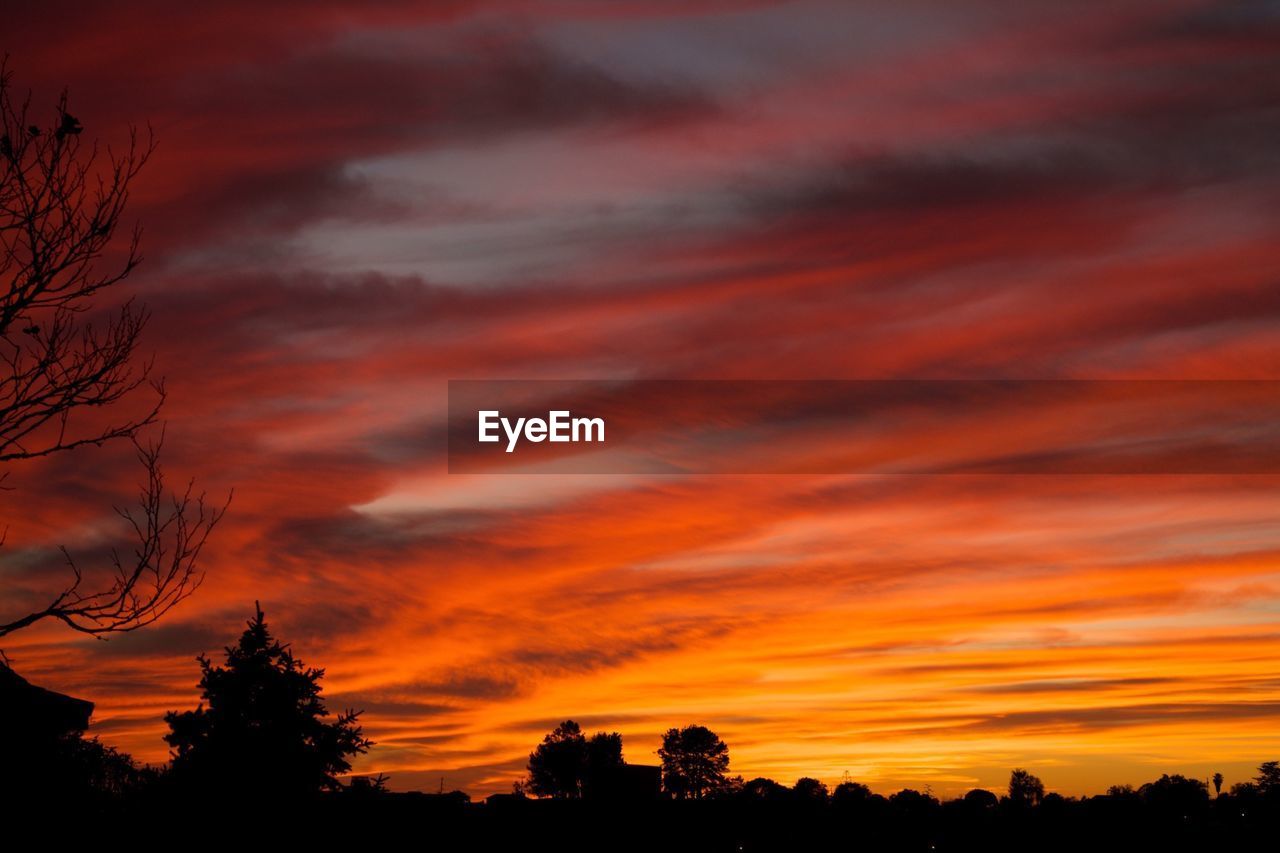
pixel 353 203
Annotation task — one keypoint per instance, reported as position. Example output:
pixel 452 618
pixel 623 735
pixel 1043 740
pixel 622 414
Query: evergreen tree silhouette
pixel 263 730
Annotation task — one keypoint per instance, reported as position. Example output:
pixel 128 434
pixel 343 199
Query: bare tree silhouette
pixel 61 203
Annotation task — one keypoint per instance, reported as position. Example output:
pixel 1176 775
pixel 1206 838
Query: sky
pixel 353 203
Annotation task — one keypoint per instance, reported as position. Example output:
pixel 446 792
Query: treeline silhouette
pixel 262 750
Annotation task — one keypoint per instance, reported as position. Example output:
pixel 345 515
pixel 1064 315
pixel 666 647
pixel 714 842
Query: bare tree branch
pixel 61 203
pixel 169 531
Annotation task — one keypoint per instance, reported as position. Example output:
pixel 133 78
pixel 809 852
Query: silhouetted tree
pixel 556 766
pixel 1025 789
pixel 1245 798
pixel 761 788
pixel 1268 778
pixel 73 769
pixel 1053 802
pixel 367 786
pixel 809 789
pixel 694 761
pixel 568 765
pixel 103 769
pixel 850 793
pixel 264 728
pixel 731 787
pixel 1176 795
pixel 61 203
pixel 603 761
pixel 916 806
pixel 911 797
pixel 1217 784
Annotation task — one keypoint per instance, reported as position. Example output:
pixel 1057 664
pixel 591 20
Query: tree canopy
pixel 1025 788
pixel 567 765
pixel 694 761
pixel 1268 778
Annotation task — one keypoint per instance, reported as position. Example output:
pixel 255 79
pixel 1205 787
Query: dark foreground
pixel 450 822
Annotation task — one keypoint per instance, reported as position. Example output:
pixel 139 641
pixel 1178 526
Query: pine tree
pixel 262 728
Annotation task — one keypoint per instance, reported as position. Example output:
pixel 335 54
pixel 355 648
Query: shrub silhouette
pixel 912 803
pixel 264 730
pixel 980 798
pixel 1176 794
pixel 761 788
